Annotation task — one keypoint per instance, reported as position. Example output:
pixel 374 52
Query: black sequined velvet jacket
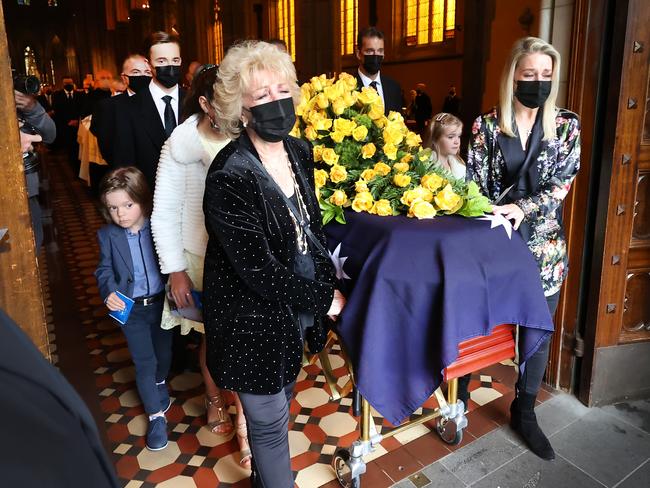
pixel 251 294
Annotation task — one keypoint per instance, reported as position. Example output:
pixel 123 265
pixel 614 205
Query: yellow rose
pixel 344 126
pixel 392 135
pixel 395 117
pixel 382 207
pixel 381 122
pixel 316 84
pixel 413 139
pixel 407 158
pixel 295 132
pixel 368 96
pixel 329 156
pixel 310 133
pixel 332 92
pixel 339 198
pixel 350 81
pixel 368 174
pixel 448 200
pixel 318 153
pixel 368 150
pixel 320 177
pixel 360 186
pixel 432 181
pixel 390 150
pixel 350 98
pixel 401 167
pixel 360 133
pixel 302 107
pixel 362 202
pixel 323 124
pixel 376 112
pixel 337 136
pixel 401 180
pixel 338 173
pixel 321 101
pixel 382 169
pixel 339 106
pixel 417 193
pixel 421 210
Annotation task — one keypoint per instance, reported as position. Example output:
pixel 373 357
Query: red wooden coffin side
pixel 480 352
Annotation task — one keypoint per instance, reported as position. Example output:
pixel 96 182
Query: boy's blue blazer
pixel 115 269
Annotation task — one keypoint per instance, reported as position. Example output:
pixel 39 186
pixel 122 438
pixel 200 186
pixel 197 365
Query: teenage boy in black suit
pixel 153 112
pixel 370 53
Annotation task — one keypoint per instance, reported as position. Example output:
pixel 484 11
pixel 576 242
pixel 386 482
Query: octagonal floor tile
pixel 229 470
pixel 298 443
pixel 312 397
pixel 153 460
pixel 338 424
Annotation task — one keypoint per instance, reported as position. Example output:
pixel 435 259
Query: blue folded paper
pixel 122 315
pixel 194 313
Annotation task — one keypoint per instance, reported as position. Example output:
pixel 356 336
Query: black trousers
pixel 530 379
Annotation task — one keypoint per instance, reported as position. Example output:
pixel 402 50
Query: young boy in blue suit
pixel 128 264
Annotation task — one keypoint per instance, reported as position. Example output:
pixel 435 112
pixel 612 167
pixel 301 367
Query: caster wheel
pixel 448 432
pixel 342 469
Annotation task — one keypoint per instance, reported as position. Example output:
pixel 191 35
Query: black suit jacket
pixel 50 438
pixel 392 93
pixel 140 134
pixel 251 295
pixel 66 109
pixel 104 124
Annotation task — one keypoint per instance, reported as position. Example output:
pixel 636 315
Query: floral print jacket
pixel 557 164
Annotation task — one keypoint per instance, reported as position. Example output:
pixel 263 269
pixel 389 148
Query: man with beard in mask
pixel 136 74
pixel 370 53
pixel 150 116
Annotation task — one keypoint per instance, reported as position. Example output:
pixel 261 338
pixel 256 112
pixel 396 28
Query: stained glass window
pixel 349 25
pixel 429 21
pixel 287 25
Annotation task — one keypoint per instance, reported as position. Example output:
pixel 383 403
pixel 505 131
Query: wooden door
pixel 617 322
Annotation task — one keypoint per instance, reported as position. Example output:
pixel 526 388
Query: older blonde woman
pixel 524 154
pixel 179 233
pixel 268 281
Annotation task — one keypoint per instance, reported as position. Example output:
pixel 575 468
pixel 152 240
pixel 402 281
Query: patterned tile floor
pixel 197 458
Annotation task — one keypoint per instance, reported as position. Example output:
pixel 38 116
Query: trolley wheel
pixel 342 469
pixel 448 432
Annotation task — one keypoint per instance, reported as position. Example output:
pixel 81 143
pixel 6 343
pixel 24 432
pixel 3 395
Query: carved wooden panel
pixel 641 225
pixel 645 139
pixel 636 312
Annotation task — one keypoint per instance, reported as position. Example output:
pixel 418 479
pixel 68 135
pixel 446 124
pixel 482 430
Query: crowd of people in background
pixel 209 200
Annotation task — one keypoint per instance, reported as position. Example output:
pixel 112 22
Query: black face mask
pixel 533 94
pixel 168 75
pixel 274 120
pixel 137 83
pixel 68 87
pixel 372 63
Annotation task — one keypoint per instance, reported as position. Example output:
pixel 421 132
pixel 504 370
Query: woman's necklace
pixel 302 209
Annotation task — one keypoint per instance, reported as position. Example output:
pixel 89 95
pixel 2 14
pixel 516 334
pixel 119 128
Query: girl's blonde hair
pixel 436 129
pixel 132 181
pixel 524 47
pixel 241 65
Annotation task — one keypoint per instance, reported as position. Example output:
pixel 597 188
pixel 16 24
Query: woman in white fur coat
pixel 178 226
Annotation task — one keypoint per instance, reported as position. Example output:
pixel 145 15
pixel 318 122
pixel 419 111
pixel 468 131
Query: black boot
pixel 524 421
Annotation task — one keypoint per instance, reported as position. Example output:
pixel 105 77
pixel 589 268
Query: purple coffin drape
pixel 417 288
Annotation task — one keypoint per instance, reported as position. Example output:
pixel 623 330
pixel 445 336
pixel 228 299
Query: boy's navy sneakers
pixel 157 434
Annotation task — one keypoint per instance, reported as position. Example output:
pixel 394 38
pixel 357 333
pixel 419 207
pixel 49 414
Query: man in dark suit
pixel 153 112
pixel 68 104
pixel 136 74
pixel 43 414
pixel 370 53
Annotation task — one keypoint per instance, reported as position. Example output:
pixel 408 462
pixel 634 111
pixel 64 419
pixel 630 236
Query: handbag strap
pixel 302 222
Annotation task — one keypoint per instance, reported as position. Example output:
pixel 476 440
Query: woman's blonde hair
pixel 436 129
pixel 524 47
pixel 241 65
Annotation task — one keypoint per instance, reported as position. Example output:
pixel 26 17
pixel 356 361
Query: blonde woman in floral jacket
pixel 524 155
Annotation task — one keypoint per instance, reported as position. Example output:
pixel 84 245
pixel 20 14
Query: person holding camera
pixel 35 125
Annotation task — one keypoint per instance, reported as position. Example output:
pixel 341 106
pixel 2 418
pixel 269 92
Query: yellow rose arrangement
pixel 370 162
